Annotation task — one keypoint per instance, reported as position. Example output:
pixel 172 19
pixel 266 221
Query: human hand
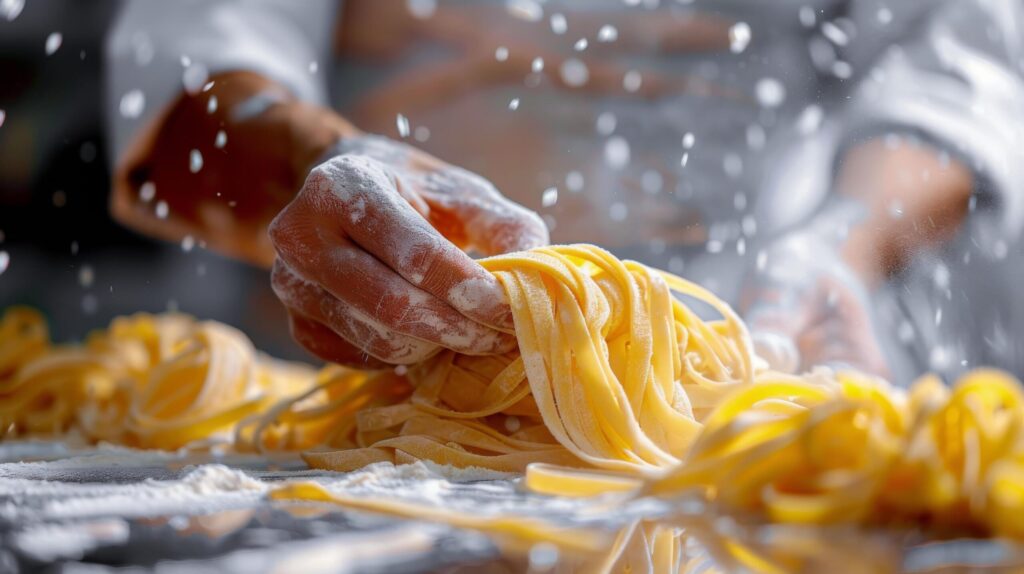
pixel 810 308
pixel 371 262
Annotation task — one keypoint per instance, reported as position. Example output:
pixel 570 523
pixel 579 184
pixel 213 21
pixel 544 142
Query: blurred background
pixel 60 251
pixel 681 133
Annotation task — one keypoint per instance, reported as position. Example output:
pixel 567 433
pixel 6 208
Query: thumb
pixel 503 227
pixel 472 213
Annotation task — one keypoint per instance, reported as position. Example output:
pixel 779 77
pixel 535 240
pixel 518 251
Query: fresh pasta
pixel 148 381
pixel 617 386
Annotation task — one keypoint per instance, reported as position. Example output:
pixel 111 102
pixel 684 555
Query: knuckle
pixel 281 228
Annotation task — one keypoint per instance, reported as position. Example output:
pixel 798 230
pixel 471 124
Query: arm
pixel 892 199
pixel 366 235
pixel 951 86
pixel 271 140
pixel 161 58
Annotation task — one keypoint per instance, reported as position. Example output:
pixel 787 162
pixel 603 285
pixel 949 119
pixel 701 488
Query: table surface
pixel 111 509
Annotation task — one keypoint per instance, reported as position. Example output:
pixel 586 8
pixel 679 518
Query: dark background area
pixel 66 256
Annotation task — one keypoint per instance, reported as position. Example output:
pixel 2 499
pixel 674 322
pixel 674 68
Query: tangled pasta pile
pixel 617 386
pixel 161 382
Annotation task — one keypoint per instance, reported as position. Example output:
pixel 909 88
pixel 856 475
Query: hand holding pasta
pixel 371 262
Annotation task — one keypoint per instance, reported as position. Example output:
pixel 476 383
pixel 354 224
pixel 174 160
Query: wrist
pixel 319 131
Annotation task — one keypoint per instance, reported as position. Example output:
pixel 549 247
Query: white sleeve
pixel 958 81
pixel 157 48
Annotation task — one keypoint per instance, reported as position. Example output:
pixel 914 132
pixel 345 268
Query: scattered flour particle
pixel 835 34
pixel 53 42
pixel 195 161
pixel 581 45
pixel 529 10
pixel 632 81
pixel 514 104
pixel 756 137
pixel 688 140
pixel 652 181
pixel 512 423
pixel 194 77
pixel 543 557
pixel 86 276
pixel 606 123
pixel 188 243
pixel 550 197
pixel 616 152
pixel 421 133
pixel 685 159
pixel 749 225
pixel 537 65
pixel 221 140
pixel 607 33
pixel 739 37
pixel 939 358
pixel 574 72
pixel 501 53
pixel 162 210
pixel 5 261
pixel 147 192
pixel 732 164
pixel 558 24
pixel 10 9
pixel 770 92
pixel 842 70
pixel 211 105
pixel 132 104
pixel 90 304
pixel 402 123
pixel 574 181
pixel 810 119
pixel 762 260
pixel 807 16
pixel 421 9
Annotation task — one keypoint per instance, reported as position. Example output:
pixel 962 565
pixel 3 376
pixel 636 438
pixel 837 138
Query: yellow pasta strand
pixel 149 381
pixel 617 386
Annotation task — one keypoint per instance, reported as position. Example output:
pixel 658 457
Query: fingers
pixel 304 298
pixel 779 351
pixel 359 195
pixel 466 205
pixel 312 246
pixel 327 345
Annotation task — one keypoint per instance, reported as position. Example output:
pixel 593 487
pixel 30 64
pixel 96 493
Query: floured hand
pixel 371 262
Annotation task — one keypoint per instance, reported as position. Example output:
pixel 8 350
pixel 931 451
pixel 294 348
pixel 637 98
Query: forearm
pixel 910 198
pixel 225 160
pixel 812 286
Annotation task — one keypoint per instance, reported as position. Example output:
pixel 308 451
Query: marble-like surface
pixel 110 509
